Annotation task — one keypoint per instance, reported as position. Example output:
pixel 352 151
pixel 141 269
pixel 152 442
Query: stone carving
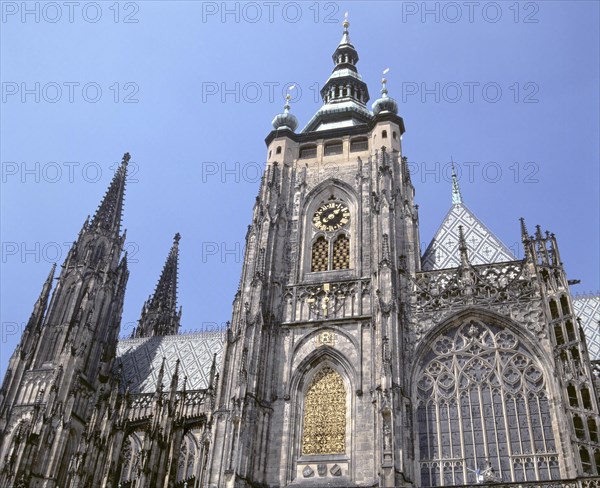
pixel 325 414
pixel 308 472
pixel 335 470
pixel 322 469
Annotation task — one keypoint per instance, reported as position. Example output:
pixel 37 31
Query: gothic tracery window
pixel 331 254
pixel 187 458
pixel 130 456
pixel 324 427
pixel 320 255
pixel 481 397
pixel 341 252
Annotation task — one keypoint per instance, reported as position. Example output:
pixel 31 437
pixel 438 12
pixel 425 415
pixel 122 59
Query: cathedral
pixel 353 357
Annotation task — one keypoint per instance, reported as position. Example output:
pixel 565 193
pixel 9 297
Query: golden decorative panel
pixel 341 253
pixel 320 255
pixel 325 415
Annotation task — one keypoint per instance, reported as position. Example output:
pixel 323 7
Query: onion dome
pixel 385 103
pixel 286 120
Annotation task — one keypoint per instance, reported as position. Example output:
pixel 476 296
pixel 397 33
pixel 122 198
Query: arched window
pixel 586 399
pixel 570 331
pixel 553 309
pixel 572 394
pixel 592 429
pixel 564 304
pixel 187 459
pixel 384 134
pixel 479 389
pixel 320 255
pixel 586 462
pixel 131 459
pixel 341 252
pixel 324 426
pixel 558 332
pixel 579 429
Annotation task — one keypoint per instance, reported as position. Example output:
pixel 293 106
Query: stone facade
pixel 351 359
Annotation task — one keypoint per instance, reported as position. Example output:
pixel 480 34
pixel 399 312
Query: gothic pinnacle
pixel 524 233
pixel 159 314
pixel 109 213
pixel 462 247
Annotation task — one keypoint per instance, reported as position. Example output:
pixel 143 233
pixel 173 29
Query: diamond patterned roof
pixel 587 308
pixel 142 357
pixel 484 247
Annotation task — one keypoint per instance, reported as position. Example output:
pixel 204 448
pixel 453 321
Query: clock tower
pixel 313 389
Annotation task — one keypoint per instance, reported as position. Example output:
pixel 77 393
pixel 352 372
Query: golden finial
pixel 346 22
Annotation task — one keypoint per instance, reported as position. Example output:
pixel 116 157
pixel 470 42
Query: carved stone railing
pixel 505 287
pixel 195 404
pixel 340 299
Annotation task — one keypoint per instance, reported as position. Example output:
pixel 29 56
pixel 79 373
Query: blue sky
pixel 507 89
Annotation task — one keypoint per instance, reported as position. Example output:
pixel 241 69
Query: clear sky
pixel 509 90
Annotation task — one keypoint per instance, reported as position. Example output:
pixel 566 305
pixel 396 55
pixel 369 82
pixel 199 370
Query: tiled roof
pixel 587 308
pixel 141 359
pixel 483 246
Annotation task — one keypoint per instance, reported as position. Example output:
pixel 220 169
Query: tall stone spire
pixel 108 215
pixel 456 196
pixel 344 94
pixel 160 315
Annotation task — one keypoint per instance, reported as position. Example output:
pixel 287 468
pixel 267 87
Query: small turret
pixel 385 103
pixel 286 120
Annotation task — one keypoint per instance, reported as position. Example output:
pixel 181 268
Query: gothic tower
pixel 352 361
pixel 312 390
pixel 66 354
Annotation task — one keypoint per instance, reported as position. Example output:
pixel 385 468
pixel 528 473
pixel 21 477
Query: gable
pixel 483 246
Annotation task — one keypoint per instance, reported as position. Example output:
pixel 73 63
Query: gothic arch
pixel 302 379
pixel 187 463
pixel 483 314
pixel 308 337
pixel 130 458
pixel 477 370
pixel 342 192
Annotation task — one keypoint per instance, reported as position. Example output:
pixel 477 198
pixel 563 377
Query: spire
pixel 346 35
pixel 344 94
pixel 108 215
pixel 456 196
pixel 159 314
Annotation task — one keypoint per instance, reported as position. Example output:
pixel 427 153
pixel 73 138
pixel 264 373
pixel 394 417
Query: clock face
pixel 331 216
